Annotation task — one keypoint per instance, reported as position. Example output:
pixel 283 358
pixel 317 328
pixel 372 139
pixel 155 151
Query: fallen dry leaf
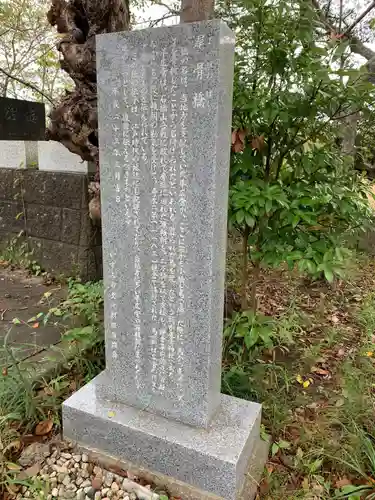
pixel 320 371
pixel 43 428
pixel 30 471
pixel 343 482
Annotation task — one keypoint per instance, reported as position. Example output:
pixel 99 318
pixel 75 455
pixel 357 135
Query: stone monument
pixel 165 101
pixel 22 120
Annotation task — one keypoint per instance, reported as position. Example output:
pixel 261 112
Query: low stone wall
pixel 51 208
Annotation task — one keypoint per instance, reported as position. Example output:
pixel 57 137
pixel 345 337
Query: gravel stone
pixel 33 453
pixel 115 487
pixel 60 469
pixel 108 479
pixel 98 471
pixel 61 477
pixel 80 494
pixel 71 476
pixel 69 494
pixel 90 492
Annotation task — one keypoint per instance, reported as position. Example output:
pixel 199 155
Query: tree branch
pixel 30 85
pixel 340 20
pixel 359 19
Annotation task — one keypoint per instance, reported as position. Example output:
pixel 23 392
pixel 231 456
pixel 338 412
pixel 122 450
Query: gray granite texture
pixel 165 98
pixel 214 460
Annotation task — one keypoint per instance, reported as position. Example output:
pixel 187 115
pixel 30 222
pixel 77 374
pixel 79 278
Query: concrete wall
pixel 44 155
pixel 52 209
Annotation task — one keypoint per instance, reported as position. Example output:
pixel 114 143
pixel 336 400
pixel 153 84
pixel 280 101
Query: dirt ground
pixel 22 299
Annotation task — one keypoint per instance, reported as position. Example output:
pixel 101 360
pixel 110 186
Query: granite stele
pixel 165 101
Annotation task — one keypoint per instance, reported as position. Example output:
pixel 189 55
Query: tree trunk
pixel 74 121
pixel 196 10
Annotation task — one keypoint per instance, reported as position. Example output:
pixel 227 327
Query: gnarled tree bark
pixel 74 121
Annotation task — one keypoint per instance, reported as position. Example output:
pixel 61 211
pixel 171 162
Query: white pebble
pixel 76 465
pixel 66 455
pixel 98 471
pixel 79 481
pixel 105 491
pixel 27 494
pixel 115 487
pixel 55 492
pixel 85 483
pixel 53 474
pixel 49 497
pixel 66 480
pixel 85 466
pixel 85 474
pixel 85 458
pixel 59 469
pixel 108 480
pixel 80 494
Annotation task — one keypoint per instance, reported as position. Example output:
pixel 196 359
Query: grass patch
pixel 316 384
pixel 27 402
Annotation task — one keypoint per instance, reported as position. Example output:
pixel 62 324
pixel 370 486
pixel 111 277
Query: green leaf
pixel 268 205
pixel 250 221
pixel 274 449
pixel 328 275
pixel 285 445
pixel 240 216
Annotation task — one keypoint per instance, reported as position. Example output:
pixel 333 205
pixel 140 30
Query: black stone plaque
pixel 22 120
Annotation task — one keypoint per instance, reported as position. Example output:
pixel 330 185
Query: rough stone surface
pixel 214 460
pixel 57 223
pixel 13 154
pixel 164 215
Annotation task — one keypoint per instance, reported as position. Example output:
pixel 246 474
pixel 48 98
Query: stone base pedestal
pixel 214 462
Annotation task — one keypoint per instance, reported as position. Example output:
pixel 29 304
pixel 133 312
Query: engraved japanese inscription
pixel 160 98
